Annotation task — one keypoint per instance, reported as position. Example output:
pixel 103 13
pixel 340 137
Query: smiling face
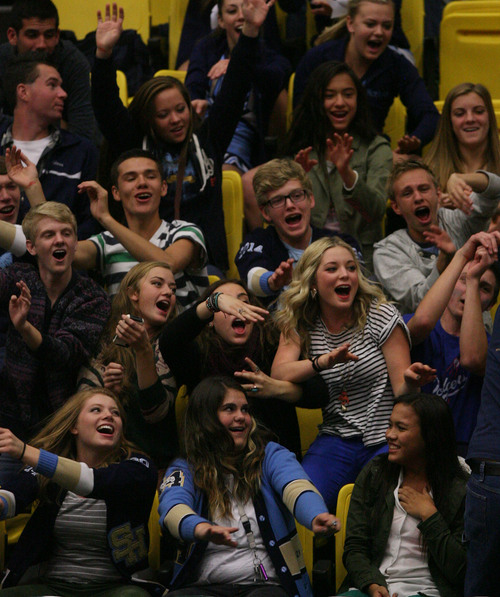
pixel 406 445
pixel 292 220
pixel 35 35
pixel 231 20
pixel 416 200
pixel 340 102
pixel 140 187
pixel 54 247
pixel 98 429
pixel 155 300
pixel 44 97
pixel 231 329
pixel 337 279
pixel 10 198
pixel 171 116
pixel 234 415
pixel 470 120
pixel 371 30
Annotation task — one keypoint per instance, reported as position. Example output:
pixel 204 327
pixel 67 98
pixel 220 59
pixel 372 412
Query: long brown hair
pixel 210 450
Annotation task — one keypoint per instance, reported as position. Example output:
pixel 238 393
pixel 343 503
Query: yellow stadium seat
pixel 289 101
pixel 81 17
pixel 160 11
pixel 470 6
pixel 232 200
pixel 395 123
pixel 154 535
pixel 412 17
pixel 177 12
pixel 121 81
pixel 309 419
pixel 470 50
pixel 168 72
pixel 343 502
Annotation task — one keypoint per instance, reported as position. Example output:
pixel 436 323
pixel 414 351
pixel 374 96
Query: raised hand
pixel 20 169
pixel 418 375
pixel 133 333
pixel 282 275
pixel 108 30
pixel 440 238
pixel 255 13
pixel 218 69
pixel 340 152
pixel 234 306
pixel 459 193
pixel 302 158
pixel 19 306
pixel 112 377
pixel 337 355
pixel 98 197
pixel 408 144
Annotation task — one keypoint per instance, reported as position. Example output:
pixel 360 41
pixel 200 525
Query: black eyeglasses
pixel 295 196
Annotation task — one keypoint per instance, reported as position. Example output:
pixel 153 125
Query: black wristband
pixel 212 302
pixel 314 361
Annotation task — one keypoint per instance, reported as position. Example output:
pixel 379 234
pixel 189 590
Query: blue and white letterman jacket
pixel 286 492
pixel 127 488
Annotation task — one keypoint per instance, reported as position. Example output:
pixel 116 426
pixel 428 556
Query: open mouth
pixel 239 326
pixel 236 429
pixel 143 196
pixel 374 44
pixel 163 306
pixel 340 114
pixel 59 254
pixel 106 429
pixel 293 218
pixel 7 210
pixel 423 214
pixel 343 290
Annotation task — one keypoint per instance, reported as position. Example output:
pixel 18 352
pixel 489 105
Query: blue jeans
pixel 332 462
pixel 482 532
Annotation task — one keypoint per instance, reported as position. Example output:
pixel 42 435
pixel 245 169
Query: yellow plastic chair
pixel 289 101
pixel 154 535
pixel 395 123
pixel 343 503
pixel 81 17
pixel 168 72
pixel 160 11
pixel 232 201
pixel 309 419
pixel 177 12
pixel 468 6
pixel 470 50
pixel 412 18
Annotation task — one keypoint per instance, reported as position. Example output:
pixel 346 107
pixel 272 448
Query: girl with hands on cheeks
pixel 405 522
pixel 232 500
pixel 129 361
pixel 80 468
pixel 332 137
pixel 338 325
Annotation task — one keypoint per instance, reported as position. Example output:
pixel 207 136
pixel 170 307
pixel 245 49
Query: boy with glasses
pixel 267 256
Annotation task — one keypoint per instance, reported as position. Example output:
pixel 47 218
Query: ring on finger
pixel 257 369
pixel 254 389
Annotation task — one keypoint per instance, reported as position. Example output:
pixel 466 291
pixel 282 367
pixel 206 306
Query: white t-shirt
pixel 33 149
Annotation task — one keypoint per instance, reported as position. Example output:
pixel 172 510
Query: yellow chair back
pixel 81 17
pixel 169 72
pixel 343 503
pixel 232 200
pixel 412 17
pixel 177 12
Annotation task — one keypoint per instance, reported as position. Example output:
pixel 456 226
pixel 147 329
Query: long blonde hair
pixel 56 436
pixel 444 154
pixel 299 309
pixel 339 29
pixel 122 303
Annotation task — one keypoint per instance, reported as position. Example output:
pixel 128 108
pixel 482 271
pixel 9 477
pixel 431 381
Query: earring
pixel 314 292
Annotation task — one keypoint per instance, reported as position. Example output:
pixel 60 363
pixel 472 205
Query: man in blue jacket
pixel 33 87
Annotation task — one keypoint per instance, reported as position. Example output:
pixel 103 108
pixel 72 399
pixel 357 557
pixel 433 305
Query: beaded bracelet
pixel 212 302
pixel 314 361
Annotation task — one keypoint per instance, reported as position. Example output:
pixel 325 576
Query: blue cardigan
pixel 285 493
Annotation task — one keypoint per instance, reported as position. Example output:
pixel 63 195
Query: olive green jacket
pixel 360 211
pixel 366 539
